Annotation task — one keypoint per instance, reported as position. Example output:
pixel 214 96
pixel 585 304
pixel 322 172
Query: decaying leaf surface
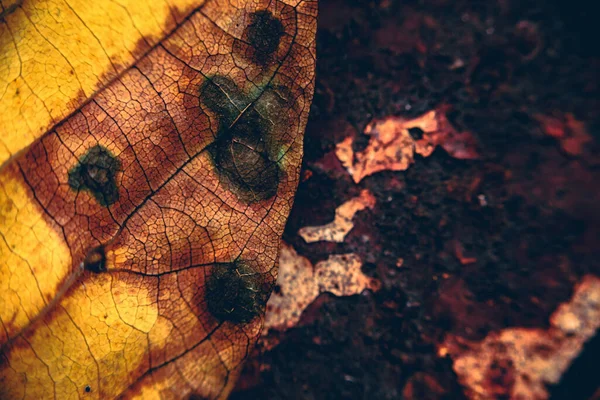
pixel 518 363
pixel 139 236
pixel 342 224
pixel 55 55
pixel 395 141
pixel 300 283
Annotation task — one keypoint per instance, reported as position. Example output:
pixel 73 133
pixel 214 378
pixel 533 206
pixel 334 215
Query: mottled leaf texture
pixel 150 153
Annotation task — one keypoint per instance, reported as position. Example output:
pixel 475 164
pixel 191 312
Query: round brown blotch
pixel 95 260
pixel 264 34
pixel 96 173
pixel 235 293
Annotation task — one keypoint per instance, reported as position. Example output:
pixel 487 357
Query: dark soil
pixel 526 211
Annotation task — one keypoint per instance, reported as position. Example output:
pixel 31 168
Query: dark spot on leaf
pixel 88 389
pixel 234 292
pixel 242 158
pixel 95 260
pixel 9 10
pixel 96 172
pixel 222 96
pixel 241 152
pixel 264 34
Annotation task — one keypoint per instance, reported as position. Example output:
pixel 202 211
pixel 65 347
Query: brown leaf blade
pixel 141 234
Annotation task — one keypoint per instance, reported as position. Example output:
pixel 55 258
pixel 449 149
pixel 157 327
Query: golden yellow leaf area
pixel 140 225
pixel 33 257
pixel 55 54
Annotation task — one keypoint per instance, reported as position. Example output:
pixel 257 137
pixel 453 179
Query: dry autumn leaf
pixel 150 154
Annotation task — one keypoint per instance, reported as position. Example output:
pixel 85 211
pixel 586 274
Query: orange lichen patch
pixel 570 132
pixel 518 363
pixel 341 225
pixel 299 283
pixel 139 236
pixel 395 141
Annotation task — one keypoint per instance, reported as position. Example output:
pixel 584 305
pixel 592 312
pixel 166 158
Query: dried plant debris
pixel 299 283
pixel 571 133
pixel 518 363
pixel 394 141
pixel 342 224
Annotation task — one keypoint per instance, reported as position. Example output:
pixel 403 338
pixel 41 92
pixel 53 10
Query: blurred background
pixel 465 270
